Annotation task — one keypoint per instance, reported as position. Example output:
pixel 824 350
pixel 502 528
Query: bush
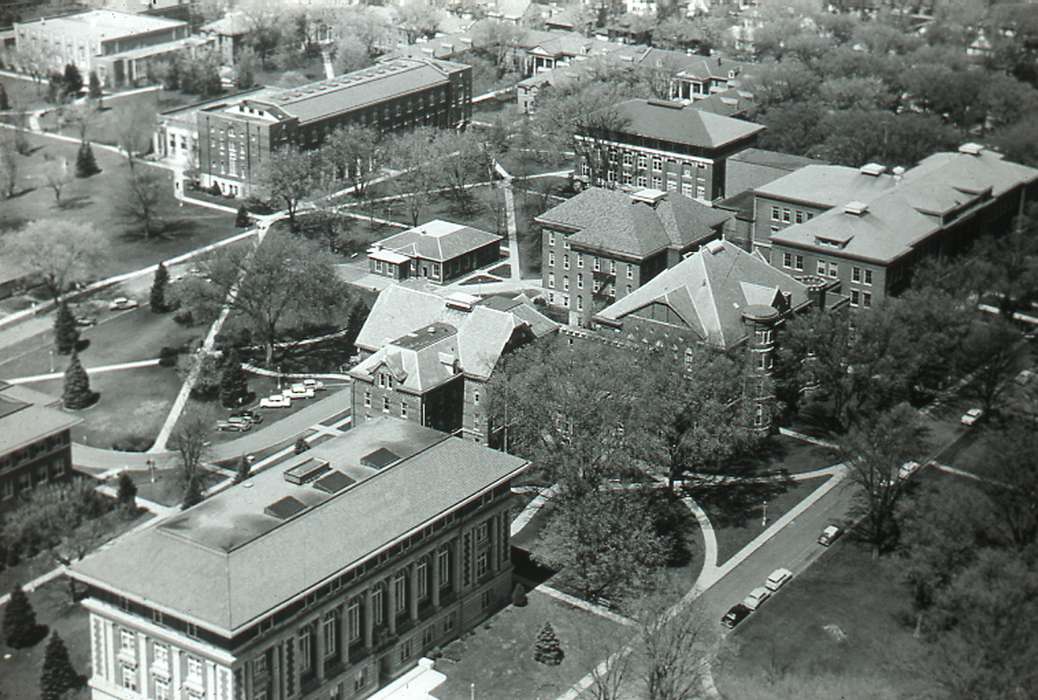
pixel 132 443
pixel 242 218
pixel 126 493
pixel 20 628
pixel 301 446
pixel 168 356
pixel 214 189
pixel 184 317
pixel 548 649
pixel 519 596
pixel 58 675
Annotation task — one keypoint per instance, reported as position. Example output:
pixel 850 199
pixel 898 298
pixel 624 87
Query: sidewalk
pixel 89 370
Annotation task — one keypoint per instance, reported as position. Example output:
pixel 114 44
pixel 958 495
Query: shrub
pixel 131 443
pixel 168 356
pixel 58 675
pixel 20 628
pixel 519 596
pixel 184 317
pixel 77 393
pixel 242 218
pixel 548 649
pixel 301 446
pixel 126 493
pixel 214 189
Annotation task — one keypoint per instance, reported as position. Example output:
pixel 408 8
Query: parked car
pixel 970 417
pixel 829 535
pixel 240 420
pixel 298 391
pixel 908 469
pixel 314 384
pixel 253 416
pixel 275 401
pixel 122 304
pixel 778 579
pixel 86 321
pixel 1025 377
pixel 234 427
pixel 756 597
pixel 736 614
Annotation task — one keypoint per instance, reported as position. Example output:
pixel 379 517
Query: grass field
pixel 168 487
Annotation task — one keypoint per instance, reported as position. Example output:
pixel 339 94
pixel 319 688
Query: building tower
pixel 760 322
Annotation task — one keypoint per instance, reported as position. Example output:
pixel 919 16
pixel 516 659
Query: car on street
pixel 86 321
pixel 778 579
pixel 251 416
pixel 298 391
pixel 970 417
pixel 736 614
pixel 314 384
pixel 756 597
pixel 234 426
pixel 908 469
pixel 829 535
pixel 275 401
pixel 122 304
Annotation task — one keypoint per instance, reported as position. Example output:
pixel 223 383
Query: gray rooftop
pixel 684 124
pixel 438 240
pixel 827 185
pixel 27 416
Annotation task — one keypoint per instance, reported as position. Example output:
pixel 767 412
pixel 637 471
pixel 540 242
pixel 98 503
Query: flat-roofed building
pixel 235 140
pixel 35 442
pixel 437 251
pixel 326 576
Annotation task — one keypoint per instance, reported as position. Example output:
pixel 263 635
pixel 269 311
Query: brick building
pixel 437 251
pixel 428 359
pixel 871 239
pixel 235 140
pixel 35 443
pixel 664 146
pixel 326 576
pixel 603 244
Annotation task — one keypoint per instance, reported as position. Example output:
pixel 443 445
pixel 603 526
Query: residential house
pixel 437 251
pixel 326 576
pixel 603 244
pixel 230 34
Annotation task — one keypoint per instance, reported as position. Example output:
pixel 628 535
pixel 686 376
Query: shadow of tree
pixel 732 501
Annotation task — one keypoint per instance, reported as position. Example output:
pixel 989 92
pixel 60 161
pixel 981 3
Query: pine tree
pixel 234 384
pixel 19 620
pixel 157 300
pixel 66 335
pixel 127 492
pixel 77 392
pixel 192 493
pixel 548 650
pixel 242 219
pixel 58 675
pixel 86 164
pixel 94 85
pixel 73 80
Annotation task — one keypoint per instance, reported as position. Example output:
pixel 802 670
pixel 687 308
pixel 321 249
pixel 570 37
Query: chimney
pixel 872 169
pixel 899 172
pixel 855 208
pixel 815 290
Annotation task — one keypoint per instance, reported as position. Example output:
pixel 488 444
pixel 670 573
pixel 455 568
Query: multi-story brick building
pixel 664 146
pixel 235 140
pixel 324 577
pixel 35 443
pixel 602 244
pixel 437 251
pixel 871 243
pixel 429 359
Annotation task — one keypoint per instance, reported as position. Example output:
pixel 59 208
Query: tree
pixel 418 154
pixel 352 153
pixel 519 599
pixel 77 393
pixel 66 335
pixel 265 19
pixel 361 23
pixel 56 175
pixel 193 494
pixel 191 441
pixel 498 40
pixel 875 451
pixel 1012 486
pixel 94 89
pixel 246 77
pixel 157 297
pixel 86 164
pixel 350 54
pixel 417 19
pixel 20 628
pixel 5 103
pixel 301 446
pixel 290 175
pixel 126 492
pixel 8 163
pixel 241 219
pixel 548 650
pixel 243 470
pixel 73 80
pixel 234 383
pixel 139 206
pixel 671 650
pixel 136 130
pixel 60 252
pixel 58 675
pixel 992 348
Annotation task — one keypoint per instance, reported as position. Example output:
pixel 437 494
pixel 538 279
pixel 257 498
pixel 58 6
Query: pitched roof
pixel 710 289
pixel 677 123
pixel 614 220
pixel 27 416
pixel 755 167
pixel 212 563
pixel 418 361
pixel 827 185
pixel 438 240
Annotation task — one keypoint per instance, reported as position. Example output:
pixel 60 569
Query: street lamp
pixel 764 516
pixel 150 463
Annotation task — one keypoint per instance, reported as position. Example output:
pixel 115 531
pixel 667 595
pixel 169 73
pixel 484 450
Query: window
pixel 353 620
pixel 400 593
pixel 584 168
pixel 259 665
pixel 786 215
pixel 868 277
pixel 551 281
pixel 595 264
pixel 565 261
pixel 361 679
pixel 642 161
pixel 700 192
pixel 129 677
pixel 405 651
pixel 763 336
pixel 612 267
pixel 775 213
pixel 194 669
pixel 444 556
pixel 657 164
pixel 855 297
pixel 192 630
pixel 820 268
pixel 799 216
pixel 403 409
pixel 580 261
pixel 475 397
pixel 367 399
pixel 127 643
pixel 448 623
pixel 551 238
pixel 834 270
pixel 328 626
pixel 630 271
pixel 482 533
pixel 482 562
pixel 551 259
pixel 856 274
pixel 628 158
pixel 580 303
pixel 626 178
pixel 305 660
pixel 385 404
pixel 565 301
pixel 157 617
pixel 428 635
pixel 580 281
pixel 787 260
pixel 866 299
pixel 642 181
pixel 376 606
pixel 657 182
pixel 798 263
pixel 485 599
pixel 161 654
pixel 161 689
pixel 628 290
pixel 423 579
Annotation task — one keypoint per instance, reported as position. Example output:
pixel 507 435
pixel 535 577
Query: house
pixel 603 244
pixel 438 251
pixel 872 243
pixel 663 145
pixel 35 442
pixel 723 298
pixel 427 359
pixel 230 34
pixel 329 575
pixel 519 12
pixel 235 139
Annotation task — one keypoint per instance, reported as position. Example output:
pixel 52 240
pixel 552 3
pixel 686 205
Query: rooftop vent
pixel 307 471
pixel 666 103
pixel 855 208
pixel 971 149
pixel 714 247
pixel 333 482
pixel 285 508
pixel 461 301
pixel 379 459
pixel 873 169
pixel 648 196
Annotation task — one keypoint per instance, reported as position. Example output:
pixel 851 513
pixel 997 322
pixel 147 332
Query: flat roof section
pixel 111 24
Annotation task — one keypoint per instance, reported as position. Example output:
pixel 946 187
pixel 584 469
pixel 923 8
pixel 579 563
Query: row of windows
pixel 657 163
pixel 385 400
pixel 789 216
pixel 28 478
pixel 129 676
pixel 596 262
pixel 859 298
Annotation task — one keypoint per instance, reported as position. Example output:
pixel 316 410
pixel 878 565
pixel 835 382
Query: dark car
pixel 239 426
pixel 736 614
pixel 251 416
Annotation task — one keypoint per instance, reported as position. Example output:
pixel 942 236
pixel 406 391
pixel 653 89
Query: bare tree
pixel 56 174
pixel 289 176
pixel 191 441
pixel 671 650
pixel 416 153
pixel 136 130
pixel 417 19
pixel 353 153
pixel 60 252
pixel 140 203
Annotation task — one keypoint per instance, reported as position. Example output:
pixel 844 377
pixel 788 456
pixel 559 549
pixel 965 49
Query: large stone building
pixel 428 359
pixel 603 244
pixel 35 443
pixel 236 139
pixel 326 576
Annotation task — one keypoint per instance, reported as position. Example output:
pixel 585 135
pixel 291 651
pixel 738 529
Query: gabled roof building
pixel 438 251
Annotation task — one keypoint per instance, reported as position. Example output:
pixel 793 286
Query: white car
pixel 121 304
pixel 756 597
pixel 971 416
pixel 298 391
pixel 1025 377
pixel 314 384
pixel 778 579
pixel 275 401
pixel 908 469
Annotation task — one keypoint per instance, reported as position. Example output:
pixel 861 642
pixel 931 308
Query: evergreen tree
pixel 55 87
pixel 548 650
pixel 127 492
pixel 234 384
pixel 192 493
pixel 19 620
pixel 94 86
pixel 86 164
pixel 301 446
pixel 73 81
pixel 66 335
pixel 5 104
pixel 242 220
pixel 157 300
pixel 243 470
pixel 58 675
pixel 77 392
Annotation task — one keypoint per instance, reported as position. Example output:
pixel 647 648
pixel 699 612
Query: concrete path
pixel 575 602
pixel 89 370
pixel 808 438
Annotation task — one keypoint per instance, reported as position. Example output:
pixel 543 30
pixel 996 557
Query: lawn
pixel 92 200
pixel 736 508
pixel 108 124
pixel 20 668
pixel 497 657
pixel 168 487
pixel 838 630
pixel 25 94
pixel 779 453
